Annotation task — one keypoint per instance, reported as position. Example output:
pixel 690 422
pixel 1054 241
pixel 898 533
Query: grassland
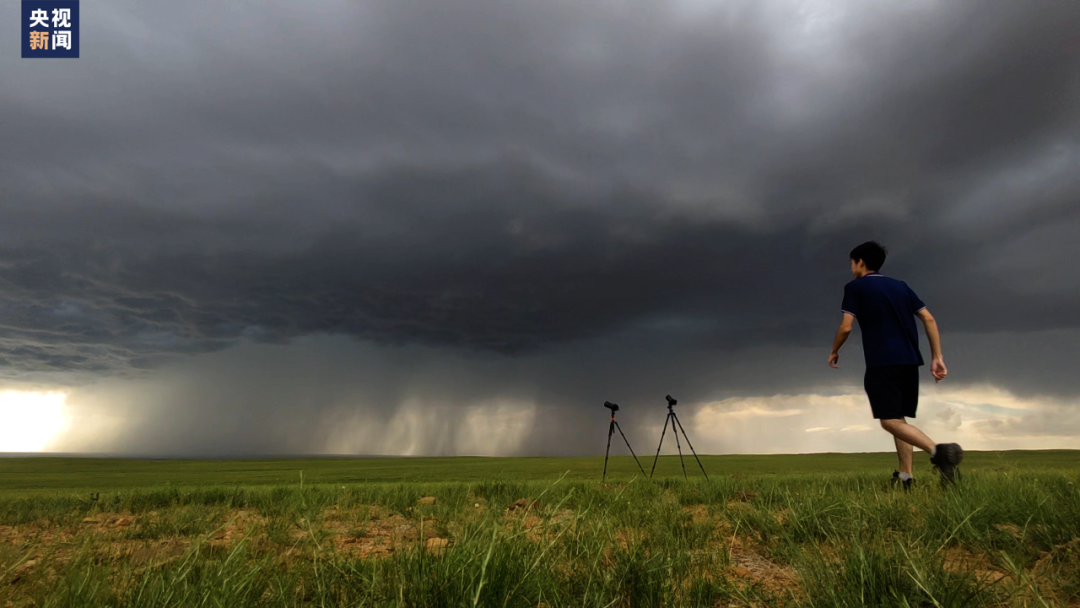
pixel 822 530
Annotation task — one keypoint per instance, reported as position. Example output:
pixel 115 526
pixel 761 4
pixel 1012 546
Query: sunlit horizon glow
pixel 979 416
pixel 29 420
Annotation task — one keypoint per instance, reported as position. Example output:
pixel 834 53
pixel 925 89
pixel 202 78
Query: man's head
pixel 867 258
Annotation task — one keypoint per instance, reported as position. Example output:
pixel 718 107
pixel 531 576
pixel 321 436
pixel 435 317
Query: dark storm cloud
pixel 514 178
pixel 330 394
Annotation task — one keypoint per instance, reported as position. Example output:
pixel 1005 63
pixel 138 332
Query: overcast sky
pixel 434 227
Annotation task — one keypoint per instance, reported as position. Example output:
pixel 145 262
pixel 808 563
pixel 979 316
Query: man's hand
pixel 937 365
pixel 937 368
pixel 841 337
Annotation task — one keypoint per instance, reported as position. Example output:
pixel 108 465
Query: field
pixel 819 530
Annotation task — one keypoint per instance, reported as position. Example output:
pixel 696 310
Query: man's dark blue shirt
pixel 885 309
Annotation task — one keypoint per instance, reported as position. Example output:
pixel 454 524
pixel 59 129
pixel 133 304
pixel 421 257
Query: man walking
pixel 886 309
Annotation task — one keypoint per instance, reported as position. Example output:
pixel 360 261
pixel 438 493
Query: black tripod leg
pixel 610 429
pixel 658 447
pixel 631 449
pixel 675 432
pixel 691 448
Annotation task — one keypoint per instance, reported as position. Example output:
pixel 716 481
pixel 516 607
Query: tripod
pixel 610 429
pixel 674 420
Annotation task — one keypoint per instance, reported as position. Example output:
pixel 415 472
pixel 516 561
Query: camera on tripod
pixel 612 426
pixel 676 428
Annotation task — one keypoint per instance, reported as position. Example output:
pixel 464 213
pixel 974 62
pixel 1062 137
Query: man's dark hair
pixel 872 253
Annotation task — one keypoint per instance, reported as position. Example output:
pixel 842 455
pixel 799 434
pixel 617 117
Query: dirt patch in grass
pixel 536 525
pixel 748 565
pixel 381 533
pixel 739 507
pixel 364 547
pixel 139 553
pixel 1057 573
pixel 39 550
pixel 49 552
pixel 48 533
pixel 1066 553
pixel 699 514
pixel 524 504
pixel 238 525
pixel 958 559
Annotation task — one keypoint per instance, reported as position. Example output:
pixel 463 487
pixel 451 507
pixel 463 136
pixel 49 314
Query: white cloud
pixel 979 417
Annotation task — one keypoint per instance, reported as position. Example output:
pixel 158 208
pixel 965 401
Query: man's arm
pixel 841 337
pixel 937 363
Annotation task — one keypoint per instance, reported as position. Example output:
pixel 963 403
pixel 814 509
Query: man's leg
pixel 893 393
pixel 902 431
pixel 904 453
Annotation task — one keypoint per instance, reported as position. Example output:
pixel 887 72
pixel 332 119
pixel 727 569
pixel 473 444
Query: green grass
pixel 110 473
pixel 822 530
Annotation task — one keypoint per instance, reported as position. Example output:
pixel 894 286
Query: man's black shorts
pixel 893 390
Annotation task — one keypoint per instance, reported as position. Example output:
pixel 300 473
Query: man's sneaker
pixel 905 482
pixel 945 459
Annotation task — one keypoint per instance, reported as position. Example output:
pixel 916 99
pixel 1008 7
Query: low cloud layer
pixel 330 395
